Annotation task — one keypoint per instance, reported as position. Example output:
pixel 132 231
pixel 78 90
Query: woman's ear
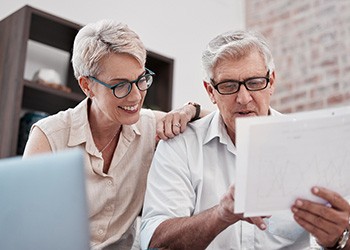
pixel 209 88
pixel 84 83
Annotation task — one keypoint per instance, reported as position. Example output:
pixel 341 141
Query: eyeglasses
pixel 252 84
pixel 122 89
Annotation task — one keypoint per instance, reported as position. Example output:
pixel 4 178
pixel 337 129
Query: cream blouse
pixel 114 199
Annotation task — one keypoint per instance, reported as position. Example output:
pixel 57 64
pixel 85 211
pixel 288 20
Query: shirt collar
pixel 217 128
pixel 80 129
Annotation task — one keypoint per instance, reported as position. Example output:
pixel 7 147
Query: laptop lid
pixel 43 202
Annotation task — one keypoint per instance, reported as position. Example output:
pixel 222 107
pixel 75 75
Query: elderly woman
pixel 118 136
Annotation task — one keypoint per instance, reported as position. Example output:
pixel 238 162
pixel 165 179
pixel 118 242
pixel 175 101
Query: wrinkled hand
pixel 175 122
pixel 325 222
pixel 226 211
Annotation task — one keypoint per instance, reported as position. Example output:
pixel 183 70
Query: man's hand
pixel 179 233
pixel 226 211
pixel 325 222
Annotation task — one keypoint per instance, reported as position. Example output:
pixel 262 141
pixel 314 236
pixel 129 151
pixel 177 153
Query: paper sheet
pixel 279 159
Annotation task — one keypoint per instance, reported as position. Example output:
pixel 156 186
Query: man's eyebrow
pixel 229 80
pixel 233 80
pixel 225 80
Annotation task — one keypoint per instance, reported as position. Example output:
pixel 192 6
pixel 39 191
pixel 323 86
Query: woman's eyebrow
pixel 125 79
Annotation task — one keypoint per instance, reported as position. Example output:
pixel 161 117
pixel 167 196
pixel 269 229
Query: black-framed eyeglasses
pixel 252 84
pixel 122 89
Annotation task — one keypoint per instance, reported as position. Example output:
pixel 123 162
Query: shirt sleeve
pixel 169 190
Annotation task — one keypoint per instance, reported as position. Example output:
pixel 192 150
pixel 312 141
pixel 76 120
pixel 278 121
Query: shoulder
pixel 72 117
pixel 64 123
pixel 147 119
pixel 147 114
pixel 146 125
pixel 64 126
pixel 195 133
pixel 201 126
pixel 55 122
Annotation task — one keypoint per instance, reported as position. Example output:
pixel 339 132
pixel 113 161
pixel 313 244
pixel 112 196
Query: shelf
pixel 18 94
pixel 40 87
pixel 47 99
pixel 53 31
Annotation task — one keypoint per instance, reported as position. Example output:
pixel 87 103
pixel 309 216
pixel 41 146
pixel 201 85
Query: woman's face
pixel 118 68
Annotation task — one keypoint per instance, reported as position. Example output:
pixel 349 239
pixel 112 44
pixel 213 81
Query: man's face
pixel 243 103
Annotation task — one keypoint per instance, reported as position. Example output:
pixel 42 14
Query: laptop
pixel 43 202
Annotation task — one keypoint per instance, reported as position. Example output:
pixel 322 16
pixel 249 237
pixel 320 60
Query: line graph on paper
pixel 285 160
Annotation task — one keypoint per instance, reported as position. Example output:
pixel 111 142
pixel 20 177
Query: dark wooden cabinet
pixel 17 93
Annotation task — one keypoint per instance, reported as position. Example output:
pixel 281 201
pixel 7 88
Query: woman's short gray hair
pixel 234 45
pixel 97 40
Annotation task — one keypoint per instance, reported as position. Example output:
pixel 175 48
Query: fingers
pixel 326 232
pixel 258 221
pixel 325 221
pixel 171 125
pixel 334 199
pixel 319 216
pixel 336 212
pixel 174 122
pixel 226 205
pixel 227 200
pixel 226 212
pixel 231 191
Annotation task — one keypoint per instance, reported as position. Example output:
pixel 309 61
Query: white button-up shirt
pixel 190 173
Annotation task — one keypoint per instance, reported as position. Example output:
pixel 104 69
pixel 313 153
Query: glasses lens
pixel 145 82
pixel 122 89
pixel 228 87
pixel 256 83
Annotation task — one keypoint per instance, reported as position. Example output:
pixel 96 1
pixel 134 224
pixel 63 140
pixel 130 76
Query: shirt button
pixel 109 183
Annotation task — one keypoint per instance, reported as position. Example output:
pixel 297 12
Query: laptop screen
pixel 43 202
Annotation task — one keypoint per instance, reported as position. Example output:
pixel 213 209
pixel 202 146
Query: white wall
pixel 176 29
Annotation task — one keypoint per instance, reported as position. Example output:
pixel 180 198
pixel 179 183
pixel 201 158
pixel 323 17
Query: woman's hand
pixel 175 122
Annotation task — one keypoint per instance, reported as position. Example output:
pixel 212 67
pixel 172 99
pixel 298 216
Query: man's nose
pixel 243 95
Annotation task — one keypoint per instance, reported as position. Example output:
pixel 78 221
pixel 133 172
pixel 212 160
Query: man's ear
pixel 209 88
pixel 84 84
pixel 272 82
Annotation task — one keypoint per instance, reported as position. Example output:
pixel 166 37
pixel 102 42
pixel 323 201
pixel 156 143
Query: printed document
pixel 280 158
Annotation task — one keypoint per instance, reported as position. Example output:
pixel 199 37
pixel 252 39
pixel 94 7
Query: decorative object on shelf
pixel 47 76
pixel 26 122
pixel 51 78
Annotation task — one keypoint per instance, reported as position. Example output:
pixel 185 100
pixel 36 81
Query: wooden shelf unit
pixel 17 93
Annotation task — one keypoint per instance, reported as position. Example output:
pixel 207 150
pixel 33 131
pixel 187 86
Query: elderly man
pixel 190 190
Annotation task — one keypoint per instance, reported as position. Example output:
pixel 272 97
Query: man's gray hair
pixel 234 45
pixel 97 40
